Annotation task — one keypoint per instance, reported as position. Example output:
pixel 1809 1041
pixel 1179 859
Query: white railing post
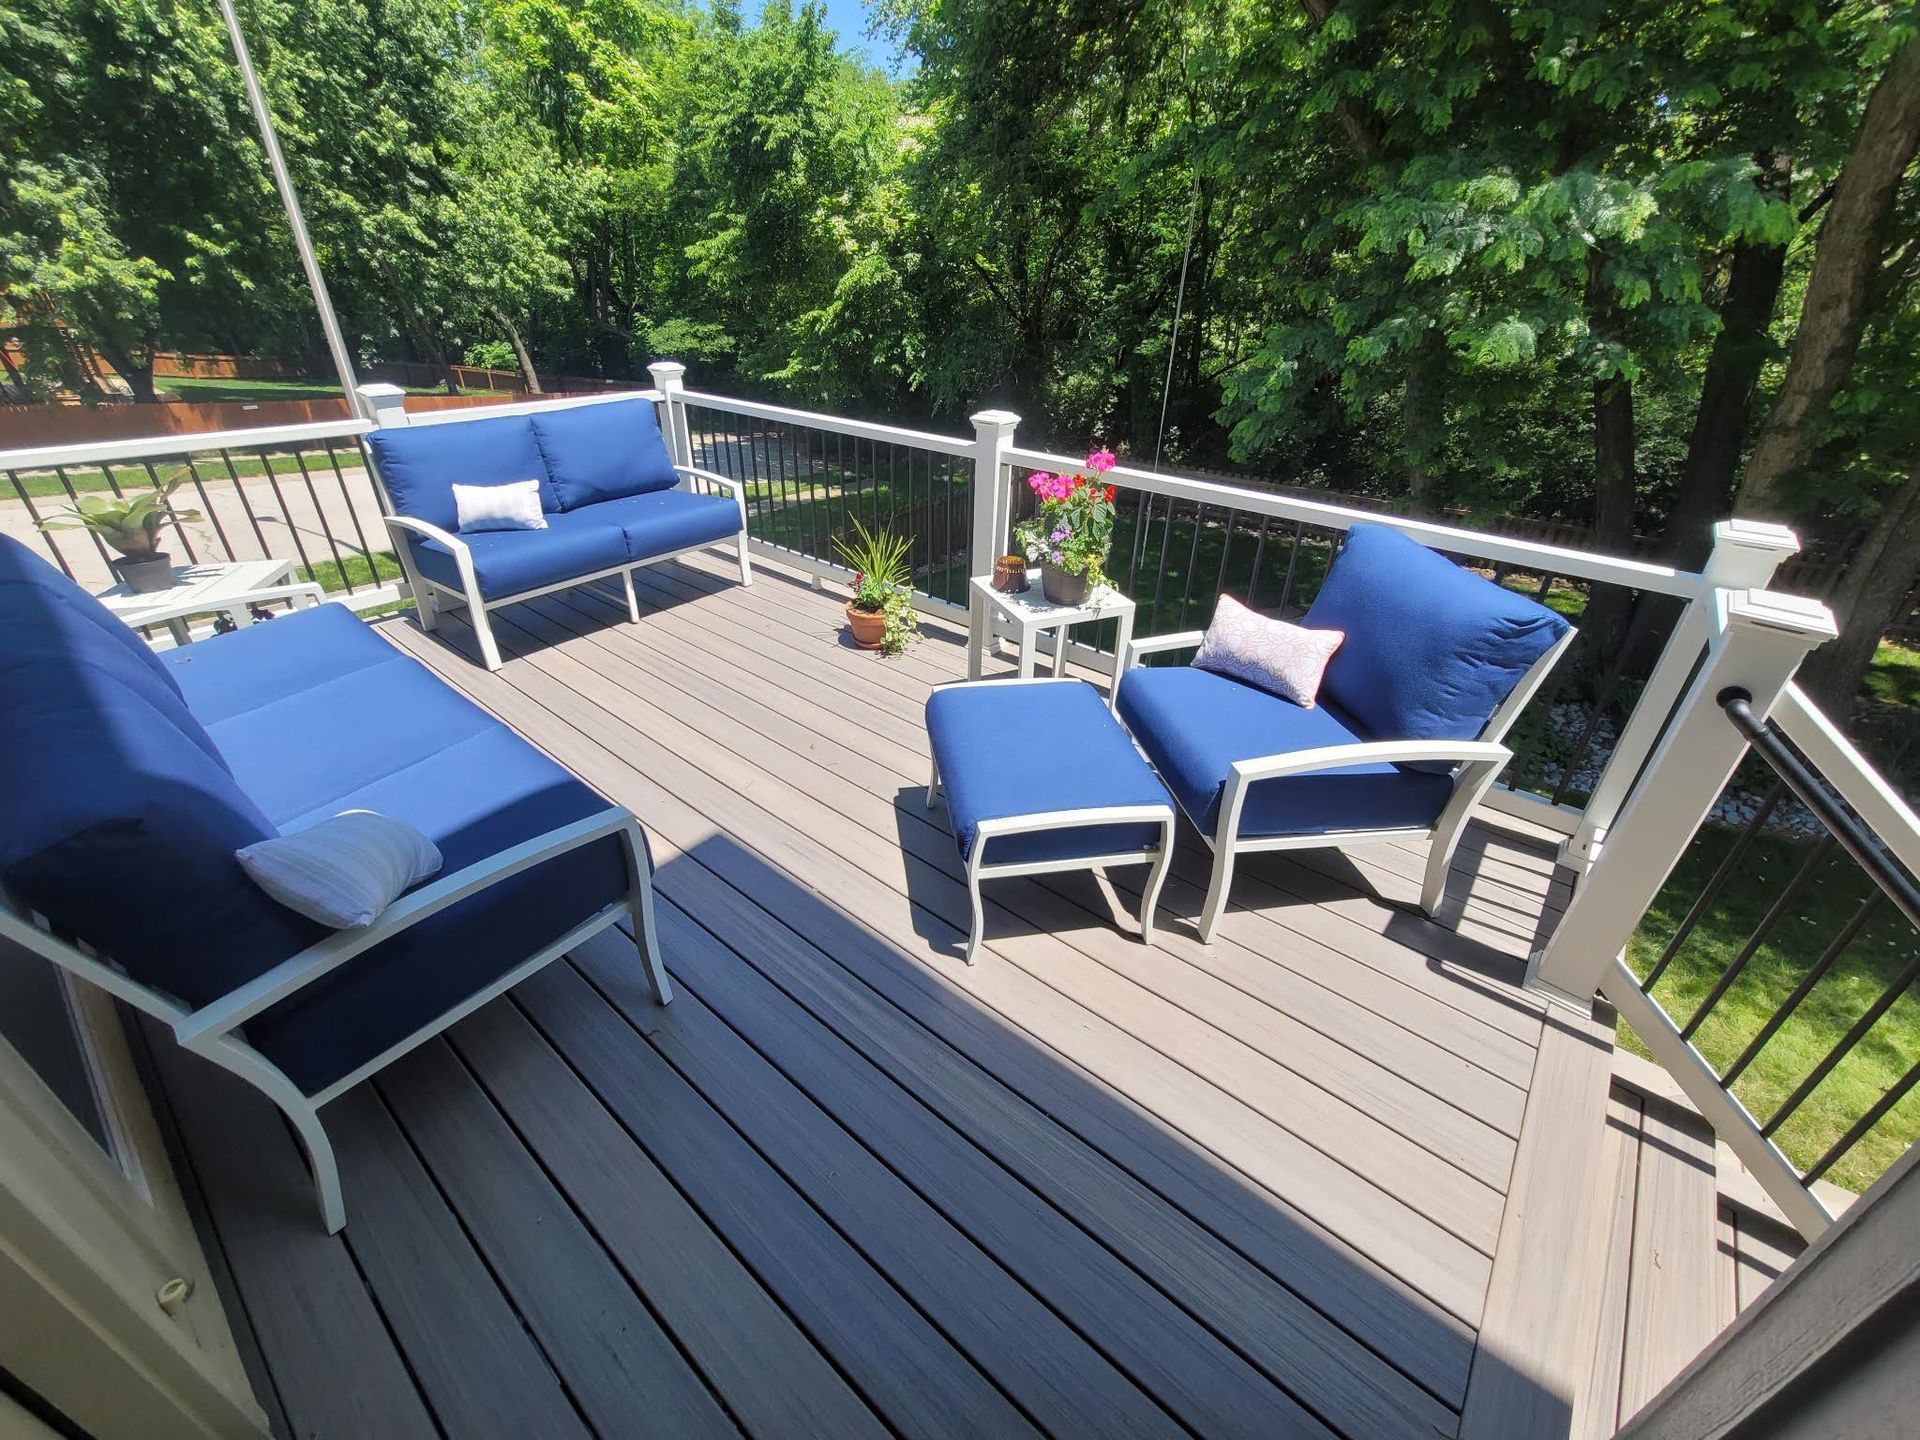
pixel 992 509
pixel 384 404
pixel 1746 553
pixel 670 379
pixel 1756 640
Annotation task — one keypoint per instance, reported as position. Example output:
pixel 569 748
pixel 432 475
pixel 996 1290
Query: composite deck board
pixel 895 810
pixel 344 1376
pixel 1763 1251
pixel 756 1355
pixel 601 1339
pixel 816 843
pixel 1671 1307
pixel 798 723
pixel 1597 1411
pixel 488 1370
pixel 848 1185
pixel 1052 1371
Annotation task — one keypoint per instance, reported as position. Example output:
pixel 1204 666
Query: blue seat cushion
pixel 664 522
pixel 420 464
pixel 604 451
pixel 507 562
pixel 44 616
pixel 1194 724
pixel 1432 649
pixel 317 714
pixel 121 818
pixel 1006 750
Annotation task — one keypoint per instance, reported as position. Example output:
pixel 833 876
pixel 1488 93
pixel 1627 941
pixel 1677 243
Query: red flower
pixel 1109 494
pixel 1079 482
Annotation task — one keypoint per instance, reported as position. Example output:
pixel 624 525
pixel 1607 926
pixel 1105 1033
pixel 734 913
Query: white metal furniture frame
pixel 215 588
pixel 214 1030
pixel 1158 856
pixel 1476 763
pixel 427 593
pixel 1031 614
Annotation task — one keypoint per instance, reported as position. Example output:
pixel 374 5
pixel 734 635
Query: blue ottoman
pixel 1039 776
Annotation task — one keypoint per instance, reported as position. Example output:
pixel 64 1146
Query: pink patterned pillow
pixel 1287 660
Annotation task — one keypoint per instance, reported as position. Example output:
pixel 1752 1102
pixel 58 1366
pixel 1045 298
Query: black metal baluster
pixel 166 504
pixel 286 515
pixel 320 516
pixel 246 505
pixel 1839 1052
pixel 1848 934
pixel 1142 516
pixel 1293 565
pixel 1193 564
pixel 1160 580
pixel 1716 882
pixel 213 516
pixel 74 497
pixel 33 514
pixel 353 514
pixel 1226 549
pixel 1858 1130
pixel 1768 923
pixel 1259 556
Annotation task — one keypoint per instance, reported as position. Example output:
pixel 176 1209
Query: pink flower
pixel 1038 482
pixel 1101 460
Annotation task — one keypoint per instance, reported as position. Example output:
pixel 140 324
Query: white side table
pixel 211 590
pixel 1029 614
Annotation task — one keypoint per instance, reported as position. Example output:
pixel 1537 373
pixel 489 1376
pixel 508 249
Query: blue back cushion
pixel 120 819
pixel 1431 649
pixel 604 452
pixel 420 464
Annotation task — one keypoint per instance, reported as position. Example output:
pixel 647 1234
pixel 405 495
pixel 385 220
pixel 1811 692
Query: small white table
pixel 1029 614
pixel 228 590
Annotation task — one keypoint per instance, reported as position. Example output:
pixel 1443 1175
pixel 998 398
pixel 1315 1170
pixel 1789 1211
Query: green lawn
pixel 213 390
pixel 1818 914
pixel 356 568
pixel 46 485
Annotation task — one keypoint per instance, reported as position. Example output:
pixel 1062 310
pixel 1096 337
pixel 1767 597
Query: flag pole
pixel 283 182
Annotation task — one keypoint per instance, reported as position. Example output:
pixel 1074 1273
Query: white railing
pixel 294 492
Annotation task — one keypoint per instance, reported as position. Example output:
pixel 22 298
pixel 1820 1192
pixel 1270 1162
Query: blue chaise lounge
pixel 130 779
pixel 1404 738
pixel 614 500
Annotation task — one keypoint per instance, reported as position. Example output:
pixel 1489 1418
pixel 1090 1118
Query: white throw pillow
pixel 342 872
pixel 513 506
pixel 1286 660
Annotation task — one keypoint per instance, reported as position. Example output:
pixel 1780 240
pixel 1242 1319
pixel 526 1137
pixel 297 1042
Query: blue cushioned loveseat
pixel 130 779
pixel 613 498
pixel 1404 737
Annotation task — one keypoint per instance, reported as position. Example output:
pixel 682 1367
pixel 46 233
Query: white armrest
pixel 1181 640
pixel 239 1006
pixel 1374 752
pixel 462 556
pixel 694 472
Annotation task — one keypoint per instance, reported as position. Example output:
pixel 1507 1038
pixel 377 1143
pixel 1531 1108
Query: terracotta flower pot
pixel 1010 574
pixel 1061 588
pixel 147 575
pixel 869 627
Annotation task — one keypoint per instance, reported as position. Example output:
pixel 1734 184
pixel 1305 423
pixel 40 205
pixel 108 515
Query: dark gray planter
pixel 145 576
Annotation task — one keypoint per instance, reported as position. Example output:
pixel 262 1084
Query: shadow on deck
pixel 845 1185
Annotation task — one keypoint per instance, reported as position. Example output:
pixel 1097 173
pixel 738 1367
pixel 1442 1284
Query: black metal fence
pixel 807 485
pixel 310 501
pixel 1791 968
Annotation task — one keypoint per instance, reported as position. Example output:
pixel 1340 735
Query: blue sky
pixel 849 18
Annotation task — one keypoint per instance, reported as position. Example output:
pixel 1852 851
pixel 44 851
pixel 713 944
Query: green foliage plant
pixel 882 583
pixel 129 523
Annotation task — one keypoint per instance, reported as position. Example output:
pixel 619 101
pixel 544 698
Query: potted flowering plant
pixel 131 525
pixel 1071 528
pixel 881 613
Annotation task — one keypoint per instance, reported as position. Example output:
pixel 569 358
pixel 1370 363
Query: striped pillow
pixel 342 872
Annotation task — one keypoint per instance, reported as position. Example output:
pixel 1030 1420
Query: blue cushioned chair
pixel 1403 740
pixel 613 496
pixel 131 778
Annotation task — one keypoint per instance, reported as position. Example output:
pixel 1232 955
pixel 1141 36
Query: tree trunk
pixel 1846 261
pixel 1614 481
pixel 416 324
pixel 519 351
pixel 1877 586
pixel 1423 418
pixel 1726 392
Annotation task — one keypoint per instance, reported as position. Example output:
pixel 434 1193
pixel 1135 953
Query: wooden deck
pixel 845 1185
